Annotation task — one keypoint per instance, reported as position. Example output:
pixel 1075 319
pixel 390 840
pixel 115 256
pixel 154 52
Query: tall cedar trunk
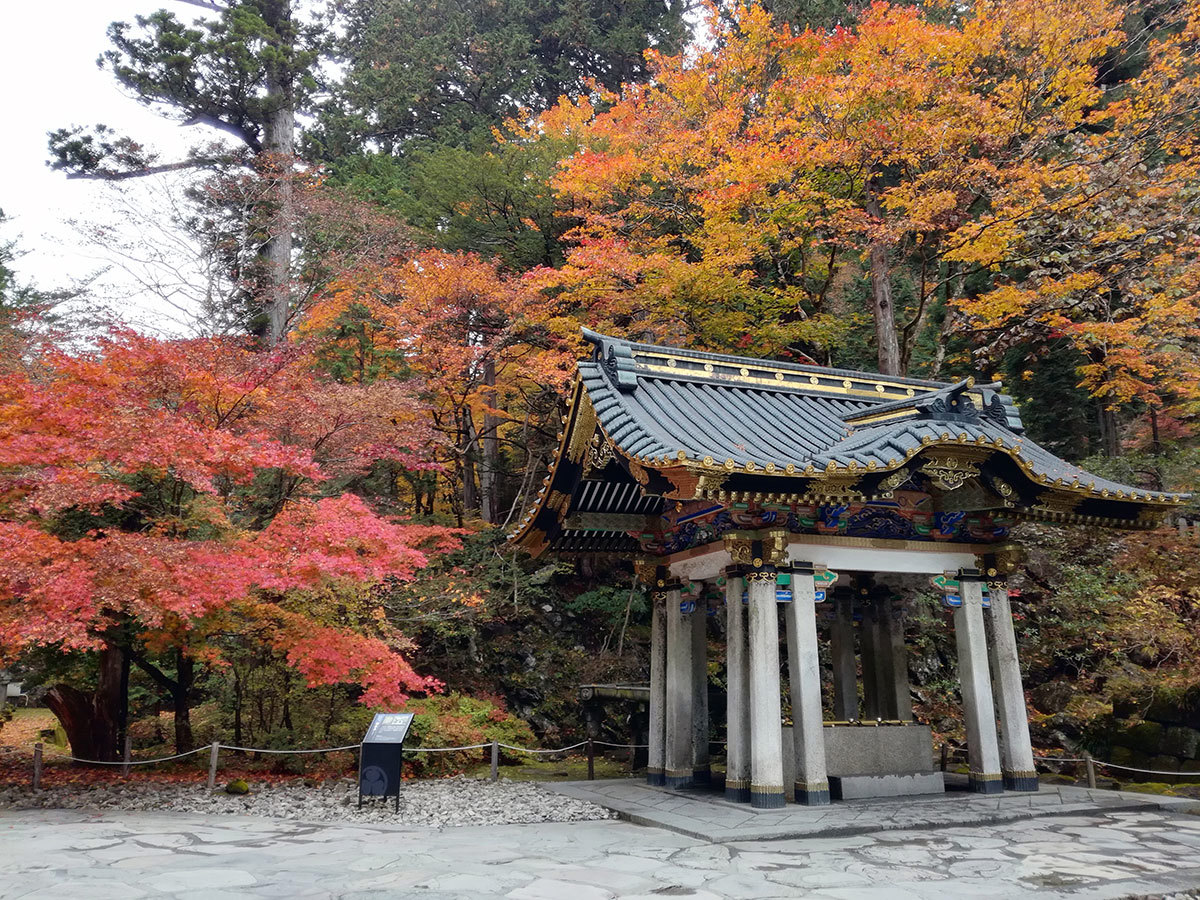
pixel 123 703
pixel 882 306
pixel 489 441
pixel 237 707
pixel 181 700
pixel 1110 438
pixel 279 145
pixel 91 718
pixel 470 492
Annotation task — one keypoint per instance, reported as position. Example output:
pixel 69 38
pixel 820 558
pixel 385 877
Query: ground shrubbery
pixel 456 720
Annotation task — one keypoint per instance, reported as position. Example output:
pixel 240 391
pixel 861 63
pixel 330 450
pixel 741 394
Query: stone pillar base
pixel 678 779
pixel 737 791
pixel 985 783
pixel 763 797
pixel 815 794
pixel 702 776
pixel 1021 781
pixel 655 777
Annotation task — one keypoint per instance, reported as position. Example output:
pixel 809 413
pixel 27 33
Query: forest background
pixel 298 513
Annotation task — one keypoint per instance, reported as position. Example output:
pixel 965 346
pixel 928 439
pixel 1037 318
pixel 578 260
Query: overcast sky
pixel 48 51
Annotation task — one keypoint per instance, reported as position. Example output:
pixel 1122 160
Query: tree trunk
pixel 1110 438
pixel 882 306
pixel 237 707
pixel 123 703
pixel 181 699
pixel 279 130
pixel 489 441
pixel 91 718
pixel 470 492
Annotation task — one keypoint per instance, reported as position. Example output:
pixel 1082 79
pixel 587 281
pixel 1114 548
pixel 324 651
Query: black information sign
pixel 382 755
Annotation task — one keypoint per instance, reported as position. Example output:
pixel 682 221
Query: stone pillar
pixel 701 773
pixel 845 666
pixel 1018 765
pixel 804 676
pixel 656 753
pixel 737 716
pixel 679 692
pixel 983 755
pixel 881 651
pixel 896 696
pixel 869 653
pixel 766 738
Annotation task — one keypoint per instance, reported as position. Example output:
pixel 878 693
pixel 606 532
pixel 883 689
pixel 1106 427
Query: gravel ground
pixel 447 802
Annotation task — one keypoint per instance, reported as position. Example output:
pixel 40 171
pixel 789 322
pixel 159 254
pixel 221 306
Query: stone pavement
pixel 68 854
pixel 706 815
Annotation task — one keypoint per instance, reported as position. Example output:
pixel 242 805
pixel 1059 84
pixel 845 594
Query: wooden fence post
pixel 212 765
pixel 37 766
pixel 495 761
pixel 1090 765
pixel 127 755
pixel 945 756
pixel 591 755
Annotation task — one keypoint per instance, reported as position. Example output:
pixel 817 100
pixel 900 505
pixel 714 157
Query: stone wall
pixel 1158 733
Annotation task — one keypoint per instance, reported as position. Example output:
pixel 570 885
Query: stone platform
pixel 706 815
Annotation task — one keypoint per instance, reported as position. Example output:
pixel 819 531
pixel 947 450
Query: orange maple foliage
pixel 481 344
pixel 727 202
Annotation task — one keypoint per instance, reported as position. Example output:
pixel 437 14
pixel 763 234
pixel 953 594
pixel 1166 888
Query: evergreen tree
pixel 449 71
pixel 246 72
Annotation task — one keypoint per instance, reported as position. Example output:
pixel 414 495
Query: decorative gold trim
pixel 886 488
pixel 949 473
pixel 812 786
pixel 738 547
pixel 600 453
pixel 764 373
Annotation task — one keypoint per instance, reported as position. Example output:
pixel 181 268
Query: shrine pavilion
pixel 814 494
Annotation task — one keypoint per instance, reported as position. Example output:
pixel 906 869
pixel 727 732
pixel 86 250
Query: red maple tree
pixel 155 494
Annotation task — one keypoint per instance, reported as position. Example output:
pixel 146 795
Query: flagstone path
pixel 71 853
pixel 705 814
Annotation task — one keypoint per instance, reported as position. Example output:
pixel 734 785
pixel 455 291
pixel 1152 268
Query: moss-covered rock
pixel 1124 756
pixel 237 786
pixel 1055 778
pixel 1151 787
pixel 1181 741
pixel 1144 736
pixel 1053 696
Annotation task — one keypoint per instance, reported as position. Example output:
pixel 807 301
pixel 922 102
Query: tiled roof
pixel 671 417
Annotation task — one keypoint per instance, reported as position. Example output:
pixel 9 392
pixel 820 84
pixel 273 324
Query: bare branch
pixel 110 175
pixel 204 4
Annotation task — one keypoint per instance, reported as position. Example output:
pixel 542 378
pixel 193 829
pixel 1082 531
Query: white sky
pixel 48 80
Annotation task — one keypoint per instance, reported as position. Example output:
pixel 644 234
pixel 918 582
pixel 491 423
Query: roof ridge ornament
pixel 615 357
pixel 948 404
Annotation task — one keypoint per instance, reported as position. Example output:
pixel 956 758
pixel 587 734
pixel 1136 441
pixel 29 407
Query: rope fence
pixel 590 744
pixel 1090 763
pixel 214 749
pixel 128 762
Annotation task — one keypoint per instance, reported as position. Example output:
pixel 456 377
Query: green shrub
pixel 456 720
